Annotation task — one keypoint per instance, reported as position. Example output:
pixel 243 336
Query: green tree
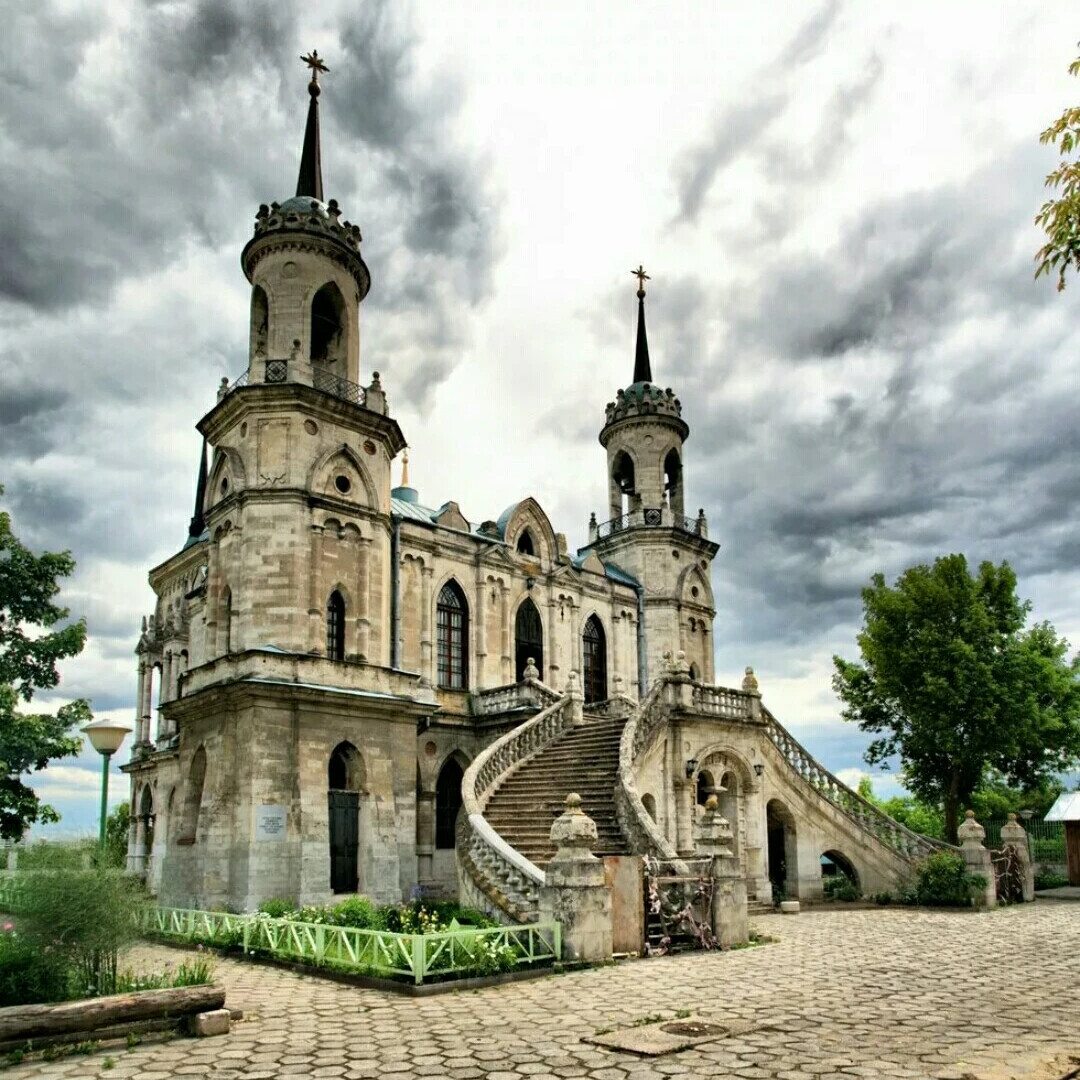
pixel 1060 216
pixel 30 649
pixel 954 685
pixel 116 836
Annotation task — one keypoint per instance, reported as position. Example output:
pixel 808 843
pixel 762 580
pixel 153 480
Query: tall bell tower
pixel 648 534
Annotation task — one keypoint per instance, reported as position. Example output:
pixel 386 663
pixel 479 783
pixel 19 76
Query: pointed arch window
pixel 525 545
pixel 447 803
pixel 328 324
pixel 452 629
pixel 528 639
pixel 594 656
pixel 673 480
pixel 335 627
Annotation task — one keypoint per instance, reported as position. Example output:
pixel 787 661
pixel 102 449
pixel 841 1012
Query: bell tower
pixel 648 534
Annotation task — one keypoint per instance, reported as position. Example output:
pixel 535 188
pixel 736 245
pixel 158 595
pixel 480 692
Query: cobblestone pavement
pixel 875 993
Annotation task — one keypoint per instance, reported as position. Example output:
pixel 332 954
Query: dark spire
pixel 198 522
pixel 310 180
pixel 642 367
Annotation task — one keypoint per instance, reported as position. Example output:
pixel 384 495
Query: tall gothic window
pixel 335 627
pixel 594 649
pixel 452 627
pixel 525 543
pixel 528 639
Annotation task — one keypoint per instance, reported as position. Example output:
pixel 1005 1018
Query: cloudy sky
pixel 834 201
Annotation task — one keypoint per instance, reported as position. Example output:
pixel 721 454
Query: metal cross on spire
pixel 642 277
pixel 314 61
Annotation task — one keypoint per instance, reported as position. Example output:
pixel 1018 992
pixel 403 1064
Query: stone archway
pixel 783 851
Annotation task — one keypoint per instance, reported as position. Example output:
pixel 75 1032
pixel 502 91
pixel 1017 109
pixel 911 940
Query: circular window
pixel 343 484
pixel 693 590
pixel 225 486
pixel 311 427
pixel 369 447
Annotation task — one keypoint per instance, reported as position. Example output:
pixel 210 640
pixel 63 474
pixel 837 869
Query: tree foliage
pixel 954 686
pixel 1060 216
pixel 34 638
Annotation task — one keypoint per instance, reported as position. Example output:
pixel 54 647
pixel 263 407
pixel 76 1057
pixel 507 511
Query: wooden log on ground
pixel 36 1021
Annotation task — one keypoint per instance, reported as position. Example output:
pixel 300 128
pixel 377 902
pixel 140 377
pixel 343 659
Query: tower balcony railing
pixel 652 518
pixel 294 369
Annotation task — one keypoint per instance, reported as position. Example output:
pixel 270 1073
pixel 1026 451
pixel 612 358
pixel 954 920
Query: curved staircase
pixel 584 759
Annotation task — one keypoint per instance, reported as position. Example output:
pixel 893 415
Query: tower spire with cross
pixel 642 366
pixel 310 180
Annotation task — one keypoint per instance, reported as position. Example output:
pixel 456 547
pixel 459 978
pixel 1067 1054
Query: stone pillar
pixel 713 836
pixel 480 622
pixel 1013 836
pixel 427 659
pixel 750 686
pixel 138 862
pixel 425 836
pixel 132 841
pixel 140 733
pixel 685 790
pixel 363 602
pixel 504 619
pixel 574 892
pixel 577 699
pixel 977 858
pixel 316 609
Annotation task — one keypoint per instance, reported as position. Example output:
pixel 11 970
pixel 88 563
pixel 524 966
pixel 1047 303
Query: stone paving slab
pixel 880 993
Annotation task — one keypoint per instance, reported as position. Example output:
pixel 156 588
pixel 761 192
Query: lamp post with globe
pixel 105 737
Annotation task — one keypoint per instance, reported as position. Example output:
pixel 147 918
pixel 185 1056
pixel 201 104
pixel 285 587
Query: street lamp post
pixel 105 737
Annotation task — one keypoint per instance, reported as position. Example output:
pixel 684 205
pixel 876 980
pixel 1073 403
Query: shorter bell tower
pixel 648 534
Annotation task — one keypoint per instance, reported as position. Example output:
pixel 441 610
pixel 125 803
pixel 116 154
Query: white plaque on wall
pixel 270 823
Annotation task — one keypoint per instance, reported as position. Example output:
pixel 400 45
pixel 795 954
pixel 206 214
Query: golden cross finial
pixel 405 468
pixel 314 61
pixel 642 277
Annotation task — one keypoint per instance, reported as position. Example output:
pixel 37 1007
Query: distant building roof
pixel 1066 808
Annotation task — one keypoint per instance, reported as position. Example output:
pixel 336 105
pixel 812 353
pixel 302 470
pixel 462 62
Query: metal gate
pixel 678 906
pixel 344 840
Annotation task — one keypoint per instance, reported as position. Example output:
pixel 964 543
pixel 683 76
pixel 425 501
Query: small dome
pixel 405 494
pixel 304 204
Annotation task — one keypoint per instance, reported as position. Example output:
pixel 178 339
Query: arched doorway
pixel 836 864
pixel 345 780
pixel 594 657
pixel 528 639
pixel 447 804
pixel 783 858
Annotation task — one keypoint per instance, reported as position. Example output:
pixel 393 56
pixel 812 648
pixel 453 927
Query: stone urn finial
pixel 573 832
pixel 750 683
pixel 971 832
pixel 531 670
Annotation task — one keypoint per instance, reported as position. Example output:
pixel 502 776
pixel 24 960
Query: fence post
pixel 977 858
pixel 575 892
pixel 247 935
pixel 1013 836
pixel 418 958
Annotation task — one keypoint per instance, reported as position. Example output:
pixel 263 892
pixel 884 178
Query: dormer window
pixel 525 545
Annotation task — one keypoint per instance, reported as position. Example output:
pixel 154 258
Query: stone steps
pixel 584 760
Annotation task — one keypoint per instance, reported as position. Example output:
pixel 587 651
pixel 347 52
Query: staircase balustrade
pixel 612 708
pixel 502 874
pixel 523 695
pixel 638 736
pixel 866 815
pixel 723 702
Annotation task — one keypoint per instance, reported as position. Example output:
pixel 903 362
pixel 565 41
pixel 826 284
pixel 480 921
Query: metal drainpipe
pixel 395 589
pixel 642 674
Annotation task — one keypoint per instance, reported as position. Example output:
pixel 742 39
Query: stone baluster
pixel 574 891
pixel 713 836
pixel 977 859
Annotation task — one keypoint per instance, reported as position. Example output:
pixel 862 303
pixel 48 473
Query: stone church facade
pixel 327 653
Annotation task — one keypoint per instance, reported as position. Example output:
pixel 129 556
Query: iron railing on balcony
pixel 277 371
pixel 650 518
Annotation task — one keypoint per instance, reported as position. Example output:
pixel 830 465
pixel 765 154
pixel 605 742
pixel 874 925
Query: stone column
pixel 363 619
pixel 140 733
pixel 145 698
pixel 555 651
pixel 1013 836
pixel 977 859
pixel 138 862
pixel 574 892
pixel 316 612
pixel 507 657
pixel 712 836
pixel 427 658
pixel 480 622
pixel 133 824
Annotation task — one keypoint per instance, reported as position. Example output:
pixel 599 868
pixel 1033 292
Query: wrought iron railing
pixel 865 814
pixel 649 518
pixel 496 870
pixel 277 371
pixel 374 952
pixel 337 387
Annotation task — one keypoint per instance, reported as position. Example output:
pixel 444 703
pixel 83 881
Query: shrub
pixel 29 974
pixel 278 907
pixel 841 887
pixel 943 881
pixel 1050 879
pixel 357 911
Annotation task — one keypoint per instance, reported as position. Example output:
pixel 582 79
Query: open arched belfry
pixel 331 660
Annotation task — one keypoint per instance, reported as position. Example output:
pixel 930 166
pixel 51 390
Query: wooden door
pixel 344 840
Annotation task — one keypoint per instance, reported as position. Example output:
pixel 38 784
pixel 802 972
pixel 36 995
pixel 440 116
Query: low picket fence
pixel 379 953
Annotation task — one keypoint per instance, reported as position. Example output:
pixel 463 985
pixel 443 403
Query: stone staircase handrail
pixel 638 736
pixel 509 875
pixel 723 701
pixel 500 699
pixel 864 813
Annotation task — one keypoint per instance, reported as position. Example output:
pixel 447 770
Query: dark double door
pixel 344 841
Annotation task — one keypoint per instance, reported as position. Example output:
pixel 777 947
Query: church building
pixel 328 652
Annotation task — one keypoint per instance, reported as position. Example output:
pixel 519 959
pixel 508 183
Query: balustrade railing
pixel 613 707
pixel 638 736
pixel 723 702
pixel 336 386
pixel 649 518
pixel 501 699
pixel 865 814
pixel 503 875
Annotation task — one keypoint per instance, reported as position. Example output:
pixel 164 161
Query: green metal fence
pixel 371 952
pixel 1046 839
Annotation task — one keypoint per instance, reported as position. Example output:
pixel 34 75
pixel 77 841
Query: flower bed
pixel 433 954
